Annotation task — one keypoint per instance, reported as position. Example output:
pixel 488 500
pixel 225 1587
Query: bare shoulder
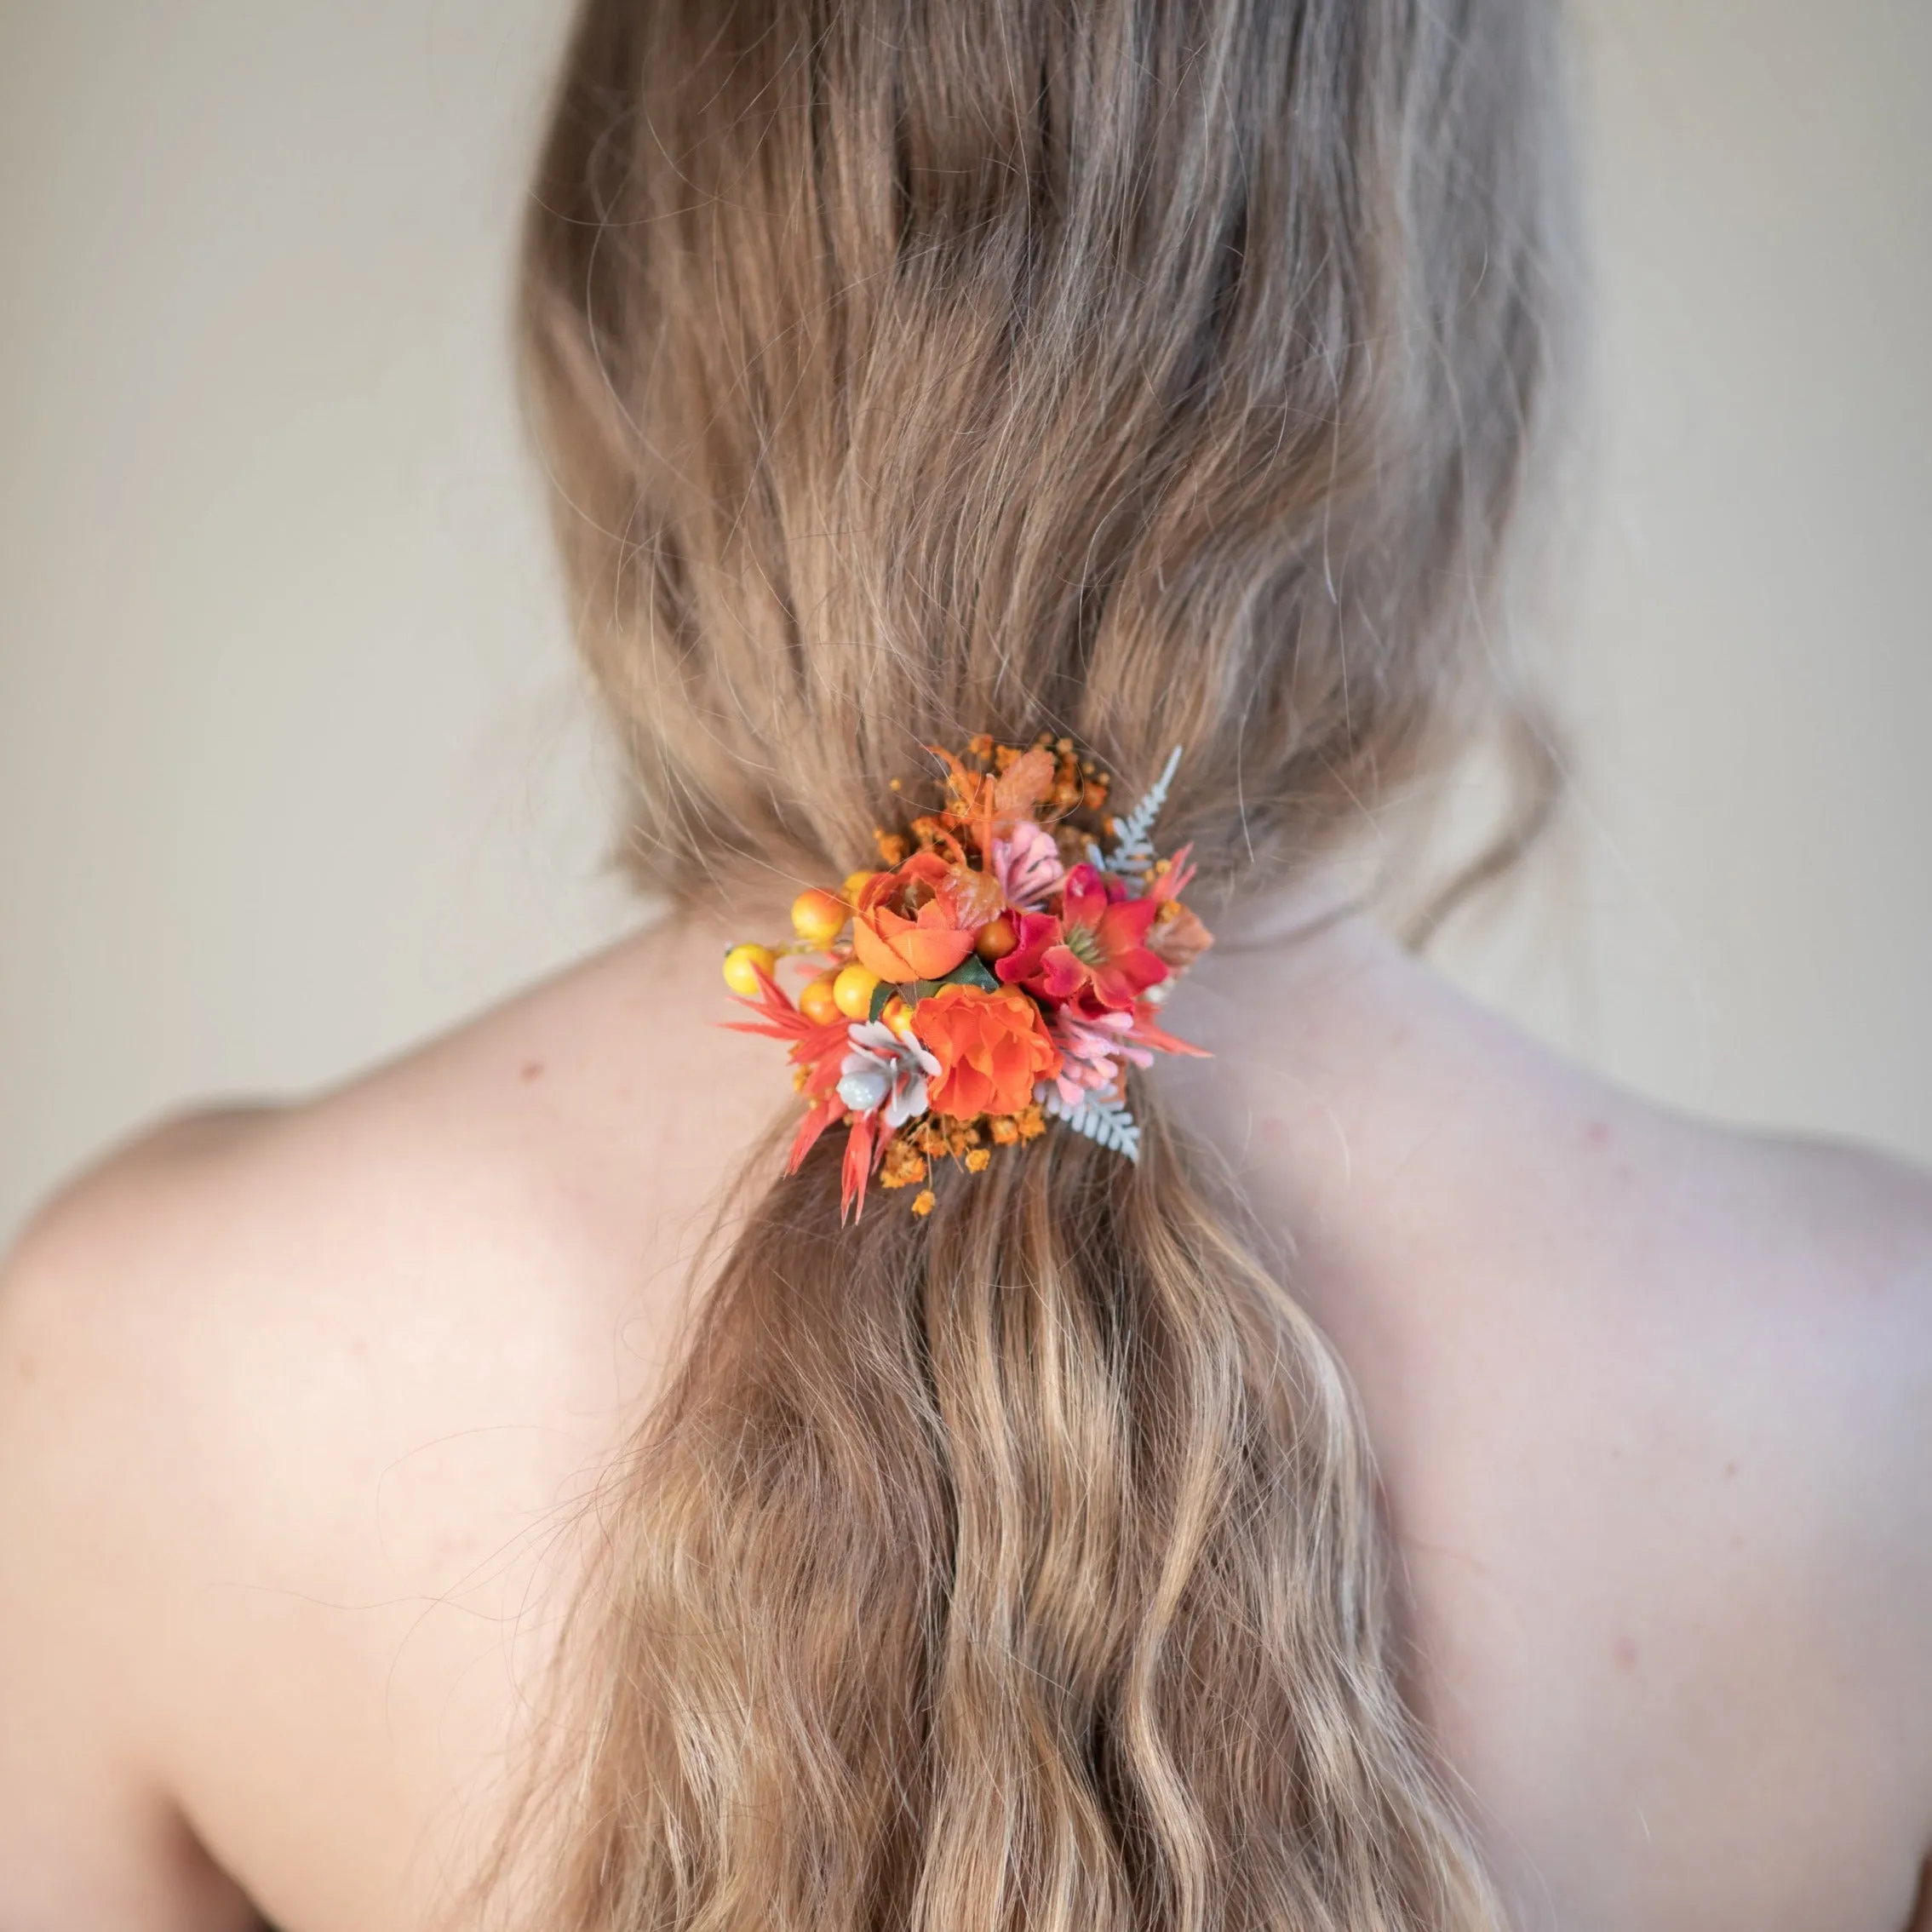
pixel 296 1405
pixel 1796 1281
pixel 1845 1374
pixel 1869 1212
pixel 89 1833
pixel 1727 1548
pixel 1816 1297
pixel 1679 1555
pixel 1666 1504
pixel 469 1207
pixel 1647 1397
pixel 470 1213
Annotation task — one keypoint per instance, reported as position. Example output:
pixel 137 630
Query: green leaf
pixel 971 970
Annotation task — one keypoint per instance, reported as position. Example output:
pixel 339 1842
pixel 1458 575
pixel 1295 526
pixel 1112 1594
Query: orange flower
pixel 910 923
pixel 991 1049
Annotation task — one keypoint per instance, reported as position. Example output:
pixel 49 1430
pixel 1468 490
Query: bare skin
pixel 294 1406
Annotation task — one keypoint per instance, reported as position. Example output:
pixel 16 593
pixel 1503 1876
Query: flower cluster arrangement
pixel 999 970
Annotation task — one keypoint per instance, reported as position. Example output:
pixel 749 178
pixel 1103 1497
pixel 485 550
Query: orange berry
pixel 818 1001
pixel 818 916
pixel 853 989
pixel 996 939
pixel 742 965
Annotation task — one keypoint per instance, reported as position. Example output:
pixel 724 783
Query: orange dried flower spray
pixel 995 971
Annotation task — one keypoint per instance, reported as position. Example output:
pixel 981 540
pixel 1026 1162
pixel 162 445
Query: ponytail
pixel 1013 1566
pixel 1155 372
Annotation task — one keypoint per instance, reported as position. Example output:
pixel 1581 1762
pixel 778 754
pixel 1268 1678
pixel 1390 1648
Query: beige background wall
pixel 292 764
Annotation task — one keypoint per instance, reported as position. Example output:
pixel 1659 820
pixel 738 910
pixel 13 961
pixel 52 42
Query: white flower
pixel 883 1070
pixel 1091 1053
pixel 1027 864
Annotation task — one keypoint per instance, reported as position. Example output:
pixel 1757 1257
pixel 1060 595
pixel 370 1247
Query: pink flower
pixel 1094 954
pixel 1092 1051
pixel 1027 864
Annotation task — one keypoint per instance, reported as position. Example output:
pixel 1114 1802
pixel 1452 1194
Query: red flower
pixel 1094 956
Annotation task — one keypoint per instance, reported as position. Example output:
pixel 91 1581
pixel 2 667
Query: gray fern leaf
pixel 1133 836
pixel 1100 1118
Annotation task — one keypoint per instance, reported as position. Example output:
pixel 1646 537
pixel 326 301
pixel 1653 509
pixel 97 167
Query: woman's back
pixel 1156 386
pixel 297 1408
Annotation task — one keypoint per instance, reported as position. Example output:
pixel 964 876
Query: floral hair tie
pixel 997 972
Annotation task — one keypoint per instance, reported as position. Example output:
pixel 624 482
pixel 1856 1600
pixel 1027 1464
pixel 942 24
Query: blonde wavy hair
pixel 1148 372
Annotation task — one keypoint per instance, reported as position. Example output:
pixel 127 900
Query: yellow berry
pixel 742 965
pixel 818 916
pixel 818 1002
pixel 897 1015
pixel 856 883
pixel 852 989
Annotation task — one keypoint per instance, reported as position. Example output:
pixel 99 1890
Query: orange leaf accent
pixel 1024 784
pixel 861 1155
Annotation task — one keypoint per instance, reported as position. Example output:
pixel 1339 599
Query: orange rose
pixel 910 923
pixel 991 1049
